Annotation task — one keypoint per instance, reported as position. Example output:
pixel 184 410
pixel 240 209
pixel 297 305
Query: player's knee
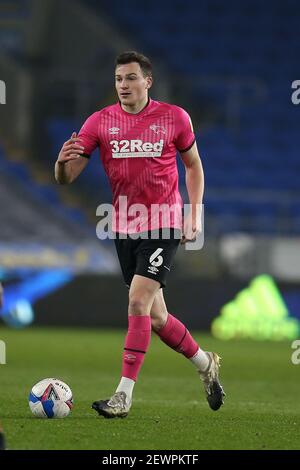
pixel 138 306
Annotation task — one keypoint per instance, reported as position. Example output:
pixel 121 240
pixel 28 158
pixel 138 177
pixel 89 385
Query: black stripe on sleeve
pixel 188 148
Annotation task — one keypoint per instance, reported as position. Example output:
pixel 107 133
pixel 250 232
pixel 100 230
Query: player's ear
pixel 149 82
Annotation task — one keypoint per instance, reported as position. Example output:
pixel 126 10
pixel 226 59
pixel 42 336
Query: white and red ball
pixel 51 398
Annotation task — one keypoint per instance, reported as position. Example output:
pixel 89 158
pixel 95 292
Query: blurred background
pixel 231 65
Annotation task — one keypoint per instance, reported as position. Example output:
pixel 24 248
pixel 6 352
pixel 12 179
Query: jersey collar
pixel 140 112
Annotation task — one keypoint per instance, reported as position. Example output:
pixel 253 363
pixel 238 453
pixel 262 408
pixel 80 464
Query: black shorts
pixel 150 257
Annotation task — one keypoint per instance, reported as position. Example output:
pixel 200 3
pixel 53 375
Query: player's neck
pixel 135 108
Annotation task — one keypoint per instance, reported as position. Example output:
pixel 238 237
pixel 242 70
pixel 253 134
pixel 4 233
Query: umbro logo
pixel 114 130
pixel 158 129
pixel 130 358
pixel 152 270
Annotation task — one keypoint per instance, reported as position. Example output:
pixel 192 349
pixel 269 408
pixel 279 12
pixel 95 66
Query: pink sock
pixel 175 335
pixel 136 345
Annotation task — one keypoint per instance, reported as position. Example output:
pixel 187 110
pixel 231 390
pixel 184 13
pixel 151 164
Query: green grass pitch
pixel 261 411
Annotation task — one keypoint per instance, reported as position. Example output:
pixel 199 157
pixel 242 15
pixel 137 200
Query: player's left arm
pixel 194 178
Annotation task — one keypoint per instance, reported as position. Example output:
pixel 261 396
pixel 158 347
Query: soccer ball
pixel 50 398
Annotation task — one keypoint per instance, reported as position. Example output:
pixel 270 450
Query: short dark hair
pixel 132 56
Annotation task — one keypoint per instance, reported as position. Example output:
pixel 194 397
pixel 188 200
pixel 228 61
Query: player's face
pixel 131 85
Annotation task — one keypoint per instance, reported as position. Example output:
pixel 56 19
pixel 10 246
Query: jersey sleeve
pixel 89 134
pixel 184 133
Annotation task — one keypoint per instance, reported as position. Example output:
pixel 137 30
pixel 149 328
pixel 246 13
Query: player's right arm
pixel 70 162
pixel 75 153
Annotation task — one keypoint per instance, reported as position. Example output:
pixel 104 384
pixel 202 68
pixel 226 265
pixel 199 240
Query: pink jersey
pixel 138 152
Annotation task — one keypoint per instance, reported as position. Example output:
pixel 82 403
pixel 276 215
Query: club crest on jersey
pixel 136 148
pixel 114 130
pixel 157 129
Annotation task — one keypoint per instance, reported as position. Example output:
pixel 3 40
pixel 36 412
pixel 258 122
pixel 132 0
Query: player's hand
pixel 71 150
pixel 191 228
